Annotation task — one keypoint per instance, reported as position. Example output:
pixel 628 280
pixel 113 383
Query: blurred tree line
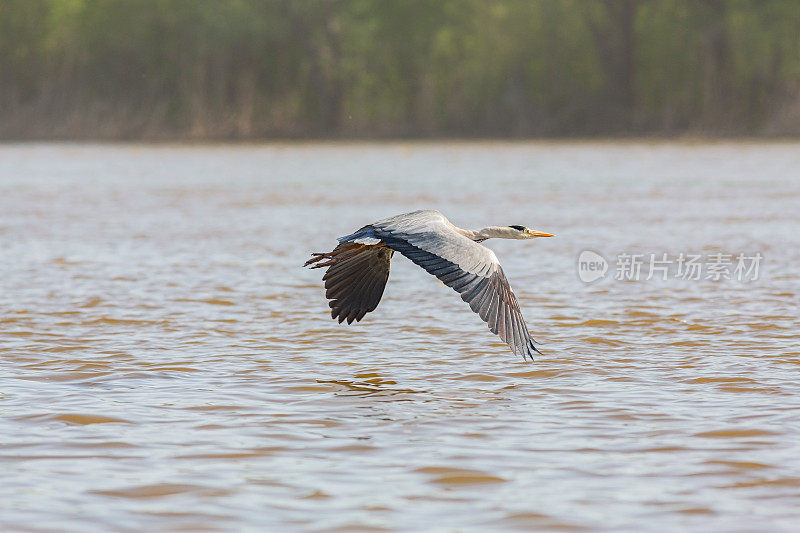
pixel 125 69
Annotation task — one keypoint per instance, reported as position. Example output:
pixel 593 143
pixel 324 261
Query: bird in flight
pixel 359 266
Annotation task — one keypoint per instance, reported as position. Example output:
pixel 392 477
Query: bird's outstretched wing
pixel 355 279
pixel 472 270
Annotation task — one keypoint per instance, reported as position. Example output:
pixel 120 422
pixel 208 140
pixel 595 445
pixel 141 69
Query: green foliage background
pixel 126 69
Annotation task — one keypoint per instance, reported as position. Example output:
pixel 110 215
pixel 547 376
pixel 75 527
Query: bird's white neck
pixel 491 232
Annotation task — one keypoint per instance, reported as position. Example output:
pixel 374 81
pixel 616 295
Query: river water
pixel 166 363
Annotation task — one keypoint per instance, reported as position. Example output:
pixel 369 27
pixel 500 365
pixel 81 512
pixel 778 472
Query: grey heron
pixel 359 266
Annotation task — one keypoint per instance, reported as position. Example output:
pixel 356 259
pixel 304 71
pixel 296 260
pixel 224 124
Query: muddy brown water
pixel 166 364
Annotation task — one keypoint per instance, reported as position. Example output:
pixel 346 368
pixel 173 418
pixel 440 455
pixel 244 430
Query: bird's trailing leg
pixel 341 253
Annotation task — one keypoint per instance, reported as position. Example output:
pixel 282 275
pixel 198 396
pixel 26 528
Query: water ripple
pixel 166 363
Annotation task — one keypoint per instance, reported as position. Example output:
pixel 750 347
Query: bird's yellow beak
pixel 533 233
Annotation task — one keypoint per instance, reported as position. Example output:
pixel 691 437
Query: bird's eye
pixel 518 227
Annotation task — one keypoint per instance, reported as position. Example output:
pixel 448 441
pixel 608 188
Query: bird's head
pixel 521 232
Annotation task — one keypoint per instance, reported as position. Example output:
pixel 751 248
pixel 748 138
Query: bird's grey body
pixel 358 269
